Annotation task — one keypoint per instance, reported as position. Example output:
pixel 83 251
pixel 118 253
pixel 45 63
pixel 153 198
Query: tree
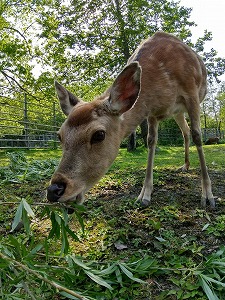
pixel 107 33
pixel 82 43
pixel 97 37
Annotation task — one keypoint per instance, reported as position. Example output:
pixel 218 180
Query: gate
pixel 28 123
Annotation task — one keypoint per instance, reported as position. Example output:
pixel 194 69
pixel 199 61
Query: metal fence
pixel 174 137
pixel 28 123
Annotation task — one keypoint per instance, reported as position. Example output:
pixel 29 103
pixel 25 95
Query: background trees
pixel 84 44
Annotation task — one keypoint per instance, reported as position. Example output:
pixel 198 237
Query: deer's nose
pixel 55 191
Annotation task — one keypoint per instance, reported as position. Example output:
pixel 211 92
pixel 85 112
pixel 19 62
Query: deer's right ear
pixel 125 89
pixel 67 99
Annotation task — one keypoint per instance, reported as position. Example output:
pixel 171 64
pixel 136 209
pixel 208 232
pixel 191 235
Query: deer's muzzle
pixel 55 191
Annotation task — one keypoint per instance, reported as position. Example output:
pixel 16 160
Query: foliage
pixel 170 250
pixel 20 169
pixel 81 43
pixel 98 39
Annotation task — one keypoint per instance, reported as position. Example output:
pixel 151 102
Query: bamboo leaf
pixel 98 279
pixel 79 262
pixel 119 276
pixel 218 262
pixel 80 220
pixel 129 274
pixel 18 216
pixel 206 288
pixel 213 280
pixel 111 269
pixel 205 226
pixel 65 243
pixel 28 208
pixel 26 221
pixel 71 233
pixel 68 296
pixel 36 249
pixel 58 218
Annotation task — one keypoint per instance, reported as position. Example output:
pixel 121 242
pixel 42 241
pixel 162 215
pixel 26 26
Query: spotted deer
pixel 163 78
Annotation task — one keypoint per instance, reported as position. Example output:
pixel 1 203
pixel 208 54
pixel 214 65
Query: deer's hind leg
pixel 194 114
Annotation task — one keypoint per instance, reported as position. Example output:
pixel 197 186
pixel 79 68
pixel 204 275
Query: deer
pixel 163 78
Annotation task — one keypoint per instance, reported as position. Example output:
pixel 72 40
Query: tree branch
pixel 16 30
pixel 7 76
pixel 36 274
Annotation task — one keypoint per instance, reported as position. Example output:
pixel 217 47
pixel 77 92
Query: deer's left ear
pixel 125 89
pixel 67 99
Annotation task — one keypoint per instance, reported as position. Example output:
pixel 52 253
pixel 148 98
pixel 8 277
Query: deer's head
pixel 91 135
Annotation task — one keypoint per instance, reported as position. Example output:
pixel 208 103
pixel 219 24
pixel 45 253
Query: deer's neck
pixel 132 118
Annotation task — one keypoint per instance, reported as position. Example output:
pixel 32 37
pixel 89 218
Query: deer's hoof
pixel 143 203
pixel 210 201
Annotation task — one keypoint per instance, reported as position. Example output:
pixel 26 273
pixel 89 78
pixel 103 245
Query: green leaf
pixel 71 233
pixel 129 274
pixel 111 269
pixel 79 262
pixel 80 220
pixel 218 262
pixel 119 276
pixel 26 221
pixel 65 216
pixel 55 230
pixel 160 239
pixel 68 296
pixel 213 280
pixel 36 249
pixel 58 218
pixel 18 216
pixel 205 226
pixel 65 242
pixel 27 208
pixel 206 288
pixel 98 279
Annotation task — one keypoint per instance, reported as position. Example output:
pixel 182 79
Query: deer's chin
pixel 76 198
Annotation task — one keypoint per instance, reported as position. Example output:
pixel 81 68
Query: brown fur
pixel 173 81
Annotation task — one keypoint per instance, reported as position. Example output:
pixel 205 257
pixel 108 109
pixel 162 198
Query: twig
pixel 52 283
pixel 25 286
pixel 7 76
pixel 16 30
pixel 38 204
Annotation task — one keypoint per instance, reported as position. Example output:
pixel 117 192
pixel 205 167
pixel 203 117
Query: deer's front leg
pixel 145 196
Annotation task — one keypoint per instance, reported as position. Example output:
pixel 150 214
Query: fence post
pixel 26 127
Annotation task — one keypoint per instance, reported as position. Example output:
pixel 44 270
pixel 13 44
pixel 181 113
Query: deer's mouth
pixel 65 191
pixel 77 198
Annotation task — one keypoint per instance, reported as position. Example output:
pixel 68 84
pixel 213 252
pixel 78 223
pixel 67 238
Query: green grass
pixel 32 154
pixel 171 250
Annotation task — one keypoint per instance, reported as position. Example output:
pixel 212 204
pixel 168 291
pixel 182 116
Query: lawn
pixel 109 248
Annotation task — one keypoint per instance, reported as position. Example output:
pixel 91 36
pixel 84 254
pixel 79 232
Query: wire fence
pixel 29 123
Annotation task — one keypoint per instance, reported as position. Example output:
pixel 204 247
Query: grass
pixel 111 249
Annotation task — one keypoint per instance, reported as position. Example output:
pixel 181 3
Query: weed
pixel 112 249
pixel 20 169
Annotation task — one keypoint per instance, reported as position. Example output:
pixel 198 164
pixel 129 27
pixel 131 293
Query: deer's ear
pixel 125 89
pixel 67 99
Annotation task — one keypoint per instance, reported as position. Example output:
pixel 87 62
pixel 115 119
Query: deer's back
pixel 172 73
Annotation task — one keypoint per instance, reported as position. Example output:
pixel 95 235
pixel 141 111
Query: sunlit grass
pixel 170 157
pixel 166 157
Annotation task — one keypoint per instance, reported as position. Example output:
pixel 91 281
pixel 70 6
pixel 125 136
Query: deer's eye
pixel 98 137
